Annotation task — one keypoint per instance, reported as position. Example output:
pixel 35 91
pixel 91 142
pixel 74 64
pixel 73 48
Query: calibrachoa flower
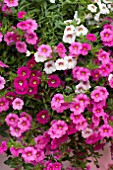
pixel 29 154
pixel 24 71
pixel 106 131
pixel 49 67
pixel 43 117
pixel 21 14
pixel 21 47
pixel 11 119
pixel 1 36
pixel 57 100
pixel 91 37
pixel 2 82
pixel 4 104
pixel 11 3
pixel 3 147
pixel 17 104
pixel 53 81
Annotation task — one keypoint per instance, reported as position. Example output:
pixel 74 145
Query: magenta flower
pixel 106 35
pixel 4 104
pixel 17 104
pixel 24 124
pixel 1 36
pixel 20 83
pixel 11 3
pixel 106 131
pixel 31 63
pixel 8 38
pixel 32 91
pixel 71 129
pixel 32 25
pixel 29 154
pixel 96 95
pixel 91 37
pixel 22 25
pixel 22 91
pixel 11 119
pixel 77 107
pixel 82 98
pixel 41 141
pixel 44 50
pixel 54 81
pixel 21 47
pixel 77 118
pixel 31 38
pixel 43 117
pixel 104 70
pixel 16 151
pixel 2 82
pixel 85 48
pixel 3 147
pixel 34 81
pixel 10 97
pixel 24 72
pixel 98 111
pixel 15 131
pixel 27 116
pixel 60 48
pixel 21 14
pixel 92 139
pixel 75 48
pixel 104 57
pixel 95 74
pixel 39 155
pixel 57 100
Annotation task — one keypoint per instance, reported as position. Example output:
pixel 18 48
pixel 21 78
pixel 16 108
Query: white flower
pixel 68 21
pixel 39 58
pixel 110 6
pixel 52 1
pixel 97 1
pixel 92 8
pixel 110 77
pixel 49 67
pixel 70 62
pixel 69 38
pixel 87 132
pixel 89 16
pixel 69 30
pixel 103 9
pixel 78 21
pixel 28 53
pixel 79 88
pixel 60 64
pixel 86 85
pixel 107 1
pixel 81 30
pixel 97 16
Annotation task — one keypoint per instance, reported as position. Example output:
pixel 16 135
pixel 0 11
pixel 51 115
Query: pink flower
pixel 17 104
pixel 98 111
pixel 96 95
pixel 58 129
pixel 31 38
pixel 21 47
pixel 91 37
pixel 106 131
pixel 27 116
pixel 15 131
pixel 85 48
pixel 77 118
pixel 41 141
pixel 82 125
pixel 71 129
pixel 92 139
pixel 29 154
pixel 15 151
pixel 8 38
pixel 104 70
pixel 57 100
pixel 4 104
pixel 44 50
pixel 106 35
pixel 82 98
pixel 11 3
pixel 3 147
pixel 3 65
pixel 54 81
pixel 39 155
pixel 75 48
pixel 57 166
pixel 21 14
pixel 31 63
pixel 10 97
pixel 77 107
pixel 95 74
pixel 43 117
pixel 104 57
pixel 2 82
pixel 31 24
pixel 24 72
pixel 60 48
pixel 7 10
pixel 22 25
pixel 11 119
pixel 20 83
pixel 111 82
pixel 32 90
pixel 24 124
pixel 34 81
pixel 1 36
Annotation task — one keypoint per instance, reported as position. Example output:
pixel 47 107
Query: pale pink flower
pixel 2 82
pixel 17 104
pixel 11 3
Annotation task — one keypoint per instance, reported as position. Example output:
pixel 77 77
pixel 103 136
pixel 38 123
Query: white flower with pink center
pixel 49 67
pixel 87 132
pixel 81 30
pixel 60 64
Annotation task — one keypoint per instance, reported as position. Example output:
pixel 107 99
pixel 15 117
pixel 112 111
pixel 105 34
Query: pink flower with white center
pixel 21 47
pixel 11 3
pixel 24 124
pixel 49 67
pixel 75 48
pixel 87 132
pixel 104 70
pixel 2 82
pixel 39 155
pixel 17 104
pixel 16 151
pixel 1 36
pixel 43 117
pixel 91 37
pixel 98 111
pixel 29 154
pixel 82 125
pixel 34 81
pixel 22 25
pixel 24 72
pixel 76 118
pixel 31 38
pixel 104 57
pixel 57 100
pixel 31 24
pixel 15 131
pixel 106 131
pixel 27 116
pixel 85 48
pixel 11 119
pixel 20 83
pixel 58 129
pixel 4 104
pixel 60 64
pixel 3 147
pixel 53 81
pixel 8 38
pixel 57 166
pixel 44 50
pixel 106 35
pixel 82 98
pixel 95 74
pixel 96 95
pixel 77 107
pixel 21 14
